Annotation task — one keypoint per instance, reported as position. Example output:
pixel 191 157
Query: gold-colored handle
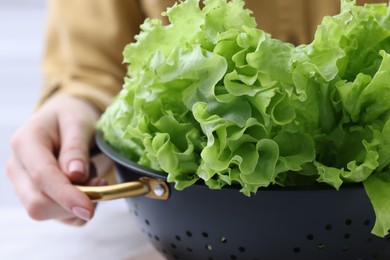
pixel 153 188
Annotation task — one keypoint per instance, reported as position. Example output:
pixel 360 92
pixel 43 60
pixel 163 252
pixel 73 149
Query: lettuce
pixel 211 98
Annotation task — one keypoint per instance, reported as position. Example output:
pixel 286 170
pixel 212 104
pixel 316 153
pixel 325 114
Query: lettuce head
pixel 212 98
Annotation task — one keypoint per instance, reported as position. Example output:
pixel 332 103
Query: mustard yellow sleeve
pixel 83 47
pixel 295 21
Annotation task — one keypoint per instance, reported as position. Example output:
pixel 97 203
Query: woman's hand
pixel 50 152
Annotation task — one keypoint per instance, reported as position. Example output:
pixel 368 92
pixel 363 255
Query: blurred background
pixel 21 36
pixel 112 233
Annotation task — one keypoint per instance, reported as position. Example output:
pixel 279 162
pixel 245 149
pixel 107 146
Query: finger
pixel 37 204
pixel 76 135
pixel 74 221
pixel 36 156
pixel 77 221
pixel 103 165
pixel 97 182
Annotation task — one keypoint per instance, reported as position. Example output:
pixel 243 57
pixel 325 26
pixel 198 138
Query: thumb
pixel 73 157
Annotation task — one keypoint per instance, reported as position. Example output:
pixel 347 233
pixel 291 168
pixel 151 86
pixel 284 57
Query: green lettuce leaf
pixel 377 187
pixel 211 98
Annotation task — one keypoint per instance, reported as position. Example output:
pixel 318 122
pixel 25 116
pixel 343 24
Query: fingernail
pixel 76 166
pixel 81 213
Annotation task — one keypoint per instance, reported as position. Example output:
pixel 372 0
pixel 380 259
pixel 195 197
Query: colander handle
pixel 149 187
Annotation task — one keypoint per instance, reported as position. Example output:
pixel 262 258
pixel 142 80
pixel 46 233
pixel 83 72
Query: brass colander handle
pixel 149 187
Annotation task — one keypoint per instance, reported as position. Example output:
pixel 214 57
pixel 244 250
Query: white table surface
pixel 111 234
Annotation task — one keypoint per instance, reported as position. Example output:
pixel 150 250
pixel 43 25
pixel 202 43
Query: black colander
pixel 277 223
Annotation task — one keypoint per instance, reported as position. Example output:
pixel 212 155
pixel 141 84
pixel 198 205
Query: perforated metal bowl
pixel 200 223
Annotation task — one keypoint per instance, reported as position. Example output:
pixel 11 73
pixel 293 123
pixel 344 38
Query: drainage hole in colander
pixel 177 237
pixel 205 234
pixel 157 238
pixel 173 246
pixel 189 234
pixel 241 249
pixel 189 249
pixel 367 222
pixel 347 235
pixel 223 240
pixel 369 240
pixel 296 249
pixel 348 222
pixel 233 257
pixel 344 249
pixel 328 227
pixel 147 222
pixel 310 237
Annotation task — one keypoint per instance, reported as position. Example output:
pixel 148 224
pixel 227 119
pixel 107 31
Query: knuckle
pixel 9 169
pixel 37 175
pixel 16 140
pixel 76 120
pixel 75 145
pixel 35 208
pixel 73 149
